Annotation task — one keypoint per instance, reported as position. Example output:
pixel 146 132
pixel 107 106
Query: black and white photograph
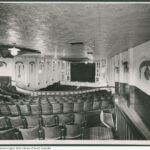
pixel 75 72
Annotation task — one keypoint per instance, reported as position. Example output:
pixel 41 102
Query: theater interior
pixel 74 71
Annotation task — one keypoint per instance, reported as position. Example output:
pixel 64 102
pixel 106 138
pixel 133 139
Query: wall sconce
pixel 125 66
pixel 147 70
pixel 117 69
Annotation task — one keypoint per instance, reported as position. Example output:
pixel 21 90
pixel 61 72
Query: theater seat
pixel 78 107
pixel 49 120
pixel 14 110
pixel 30 133
pixel 46 109
pixel 67 107
pixel 73 131
pixel 4 110
pixel 87 106
pixel 16 122
pixel 65 119
pixel 96 105
pixel 4 122
pixel 32 121
pixel 80 118
pixel 35 109
pixel 24 110
pixel 57 108
pixel 54 133
pixel 9 134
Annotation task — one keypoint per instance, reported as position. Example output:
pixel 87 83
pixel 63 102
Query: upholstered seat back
pixel 24 110
pixel 52 132
pixel 48 120
pixel 16 122
pixel 30 133
pixel 73 131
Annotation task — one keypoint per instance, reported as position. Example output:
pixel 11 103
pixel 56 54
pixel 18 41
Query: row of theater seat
pixel 70 131
pixel 64 126
pixel 44 120
pixel 71 98
pixel 54 108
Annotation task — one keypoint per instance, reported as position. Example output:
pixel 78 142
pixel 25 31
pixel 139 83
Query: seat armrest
pixel 41 135
pixel 63 133
pixel 56 120
pixel 17 135
pixel 24 123
pixel 8 123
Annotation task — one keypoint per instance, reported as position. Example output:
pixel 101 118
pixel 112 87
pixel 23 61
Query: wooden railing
pixel 128 124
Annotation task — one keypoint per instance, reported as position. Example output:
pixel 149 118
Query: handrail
pixel 133 125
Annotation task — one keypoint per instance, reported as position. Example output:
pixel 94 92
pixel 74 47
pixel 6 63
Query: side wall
pixel 34 72
pixel 133 85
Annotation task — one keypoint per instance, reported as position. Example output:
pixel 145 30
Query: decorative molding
pixel 125 66
pixel 20 62
pixel 31 62
pixel 17 62
pixel 116 69
pixel 146 64
pixel 3 63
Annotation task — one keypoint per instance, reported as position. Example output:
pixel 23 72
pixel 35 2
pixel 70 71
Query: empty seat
pixel 24 110
pixel 65 119
pixel 78 107
pixel 52 132
pixel 87 106
pixel 35 109
pixel 9 134
pixel 67 107
pixel 16 122
pixel 57 108
pixel 46 109
pixel 4 110
pixel 4 122
pixel 49 120
pixel 80 118
pixel 30 134
pixel 32 121
pixel 96 105
pixel 14 110
pixel 73 131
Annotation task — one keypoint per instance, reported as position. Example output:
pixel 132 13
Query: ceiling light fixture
pixel 14 51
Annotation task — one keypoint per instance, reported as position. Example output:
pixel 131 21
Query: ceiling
pixel 104 28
